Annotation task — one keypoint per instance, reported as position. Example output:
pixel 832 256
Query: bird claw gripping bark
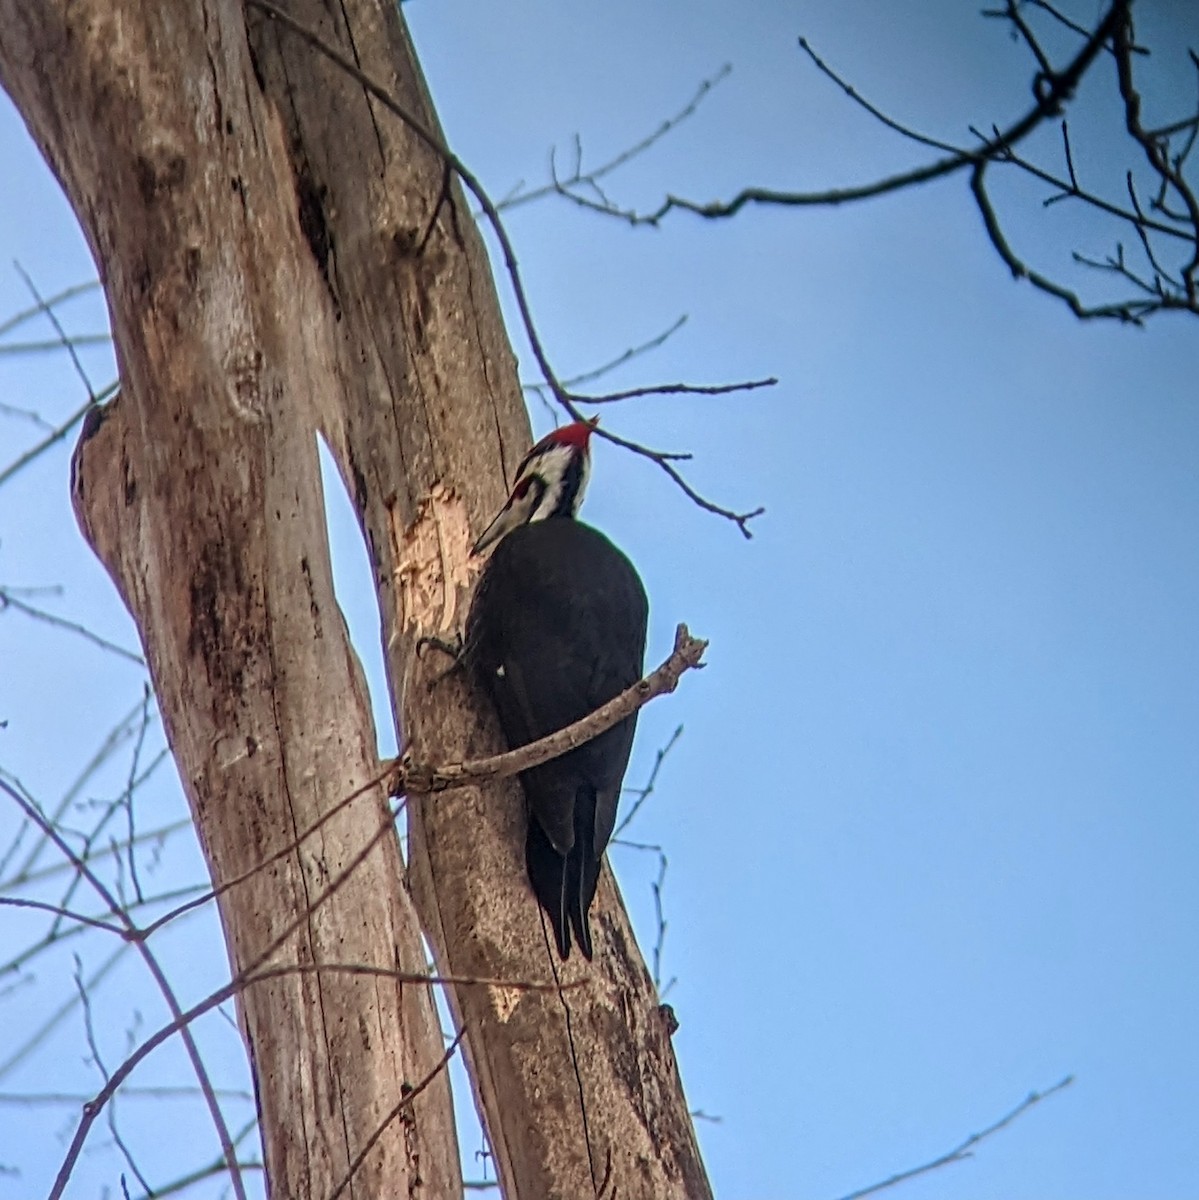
pixel 453 649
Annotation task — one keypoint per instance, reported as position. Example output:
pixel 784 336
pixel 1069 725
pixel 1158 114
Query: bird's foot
pixel 453 649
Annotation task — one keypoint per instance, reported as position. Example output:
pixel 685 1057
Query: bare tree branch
pixel 410 1094
pixel 1060 87
pixel 416 777
pixel 565 398
pixel 28 314
pixel 9 600
pixel 65 341
pixel 12 349
pixel 56 1018
pixel 1155 150
pixel 33 814
pixel 1173 214
pixel 964 1149
pixel 214 1168
pixel 644 793
pixel 259 974
pixel 57 433
pixel 579 177
pixel 98 1059
pixel 621 359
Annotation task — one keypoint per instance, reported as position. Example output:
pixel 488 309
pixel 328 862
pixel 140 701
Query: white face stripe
pixel 546 474
pixel 552 467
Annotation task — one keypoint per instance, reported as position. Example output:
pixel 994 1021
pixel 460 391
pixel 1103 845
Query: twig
pixel 38 309
pixel 516 199
pixel 25 414
pixel 90 1033
pixel 52 317
pixel 877 113
pixel 1062 19
pixel 1012 12
pixel 643 794
pixel 180 1023
pixel 217 1167
pixel 59 911
pixel 59 935
pixel 60 1014
pixel 57 434
pixel 1152 147
pixel 410 1094
pixel 154 1094
pixel 627 356
pixel 565 398
pixel 292 845
pixel 158 835
pixel 1093 199
pixel 964 1149
pixel 126 797
pixel 1131 312
pixel 11 349
pixel 33 814
pixel 683 389
pixel 660 919
pixel 113 740
pixel 8 600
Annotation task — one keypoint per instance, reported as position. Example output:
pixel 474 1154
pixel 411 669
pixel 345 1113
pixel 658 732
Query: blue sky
pixel 932 823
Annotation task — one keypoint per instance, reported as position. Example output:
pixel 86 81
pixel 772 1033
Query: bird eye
pixel 522 488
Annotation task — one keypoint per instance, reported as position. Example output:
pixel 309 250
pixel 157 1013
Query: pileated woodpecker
pixel 557 628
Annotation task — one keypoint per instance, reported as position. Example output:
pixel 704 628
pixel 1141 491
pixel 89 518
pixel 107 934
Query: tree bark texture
pixel 200 491
pixel 281 255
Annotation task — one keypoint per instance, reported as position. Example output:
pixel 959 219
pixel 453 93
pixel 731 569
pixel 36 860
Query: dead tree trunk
pixel 281 255
pixel 200 492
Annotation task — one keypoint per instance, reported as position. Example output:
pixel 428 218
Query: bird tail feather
pixel 565 884
pixel 547 874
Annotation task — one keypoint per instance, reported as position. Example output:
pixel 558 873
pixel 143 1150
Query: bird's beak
pixel 509 517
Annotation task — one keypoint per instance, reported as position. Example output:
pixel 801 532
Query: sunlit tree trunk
pixel 281 257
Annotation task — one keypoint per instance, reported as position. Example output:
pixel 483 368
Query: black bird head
pixel 549 482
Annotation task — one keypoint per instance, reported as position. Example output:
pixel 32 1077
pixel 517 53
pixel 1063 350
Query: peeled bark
pixel 281 255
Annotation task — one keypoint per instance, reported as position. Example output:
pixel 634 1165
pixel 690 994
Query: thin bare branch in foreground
pixel 50 302
pixel 411 776
pixel 590 178
pixel 410 1094
pixel 12 349
pixel 965 1149
pixel 63 339
pixel 56 434
pixel 261 974
pixel 644 793
pixel 32 813
pixel 1166 221
pixel 9 600
pixel 620 360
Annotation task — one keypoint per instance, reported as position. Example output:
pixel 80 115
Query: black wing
pixel 557 628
